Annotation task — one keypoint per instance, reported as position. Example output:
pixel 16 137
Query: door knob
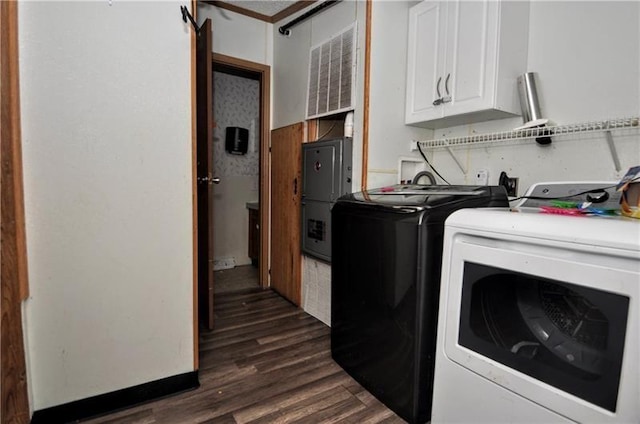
pixel 215 180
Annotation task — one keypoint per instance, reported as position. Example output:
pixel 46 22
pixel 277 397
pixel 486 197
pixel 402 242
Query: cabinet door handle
pixel 295 186
pixel 438 87
pixel 446 84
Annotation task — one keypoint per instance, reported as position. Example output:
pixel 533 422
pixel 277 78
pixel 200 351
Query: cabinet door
pixel 286 164
pixel 425 61
pixel 471 56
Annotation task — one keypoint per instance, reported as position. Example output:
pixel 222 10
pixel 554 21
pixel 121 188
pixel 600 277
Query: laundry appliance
pixel 326 175
pixel 385 280
pixel 539 311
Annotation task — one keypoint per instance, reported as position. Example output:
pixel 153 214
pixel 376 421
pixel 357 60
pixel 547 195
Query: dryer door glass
pixel 568 336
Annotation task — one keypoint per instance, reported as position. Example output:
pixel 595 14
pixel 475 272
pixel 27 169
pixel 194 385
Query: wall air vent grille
pixel 332 75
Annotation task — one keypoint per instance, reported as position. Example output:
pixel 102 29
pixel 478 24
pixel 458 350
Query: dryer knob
pixel 598 196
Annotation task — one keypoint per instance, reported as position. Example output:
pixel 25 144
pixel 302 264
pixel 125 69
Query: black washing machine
pixel 385 280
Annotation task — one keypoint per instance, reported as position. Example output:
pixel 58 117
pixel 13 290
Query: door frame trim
pixel 14 270
pixel 265 163
pixel 367 90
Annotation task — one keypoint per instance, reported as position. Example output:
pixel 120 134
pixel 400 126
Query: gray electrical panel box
pixel 326 175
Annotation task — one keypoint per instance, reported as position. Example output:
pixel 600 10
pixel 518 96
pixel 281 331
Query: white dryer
pixel 539 316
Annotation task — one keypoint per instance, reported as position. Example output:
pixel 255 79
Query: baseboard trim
pixel 120 399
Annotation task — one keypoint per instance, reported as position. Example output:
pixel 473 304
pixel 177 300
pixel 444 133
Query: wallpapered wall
pixel 236 104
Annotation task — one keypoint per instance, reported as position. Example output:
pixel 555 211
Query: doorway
pixel 236 154
pixel 242 99
pixel 260 73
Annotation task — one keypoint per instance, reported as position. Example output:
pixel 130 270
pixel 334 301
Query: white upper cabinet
pixel 464 58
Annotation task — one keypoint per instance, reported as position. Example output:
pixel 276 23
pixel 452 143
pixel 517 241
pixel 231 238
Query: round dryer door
pixel 566 323
pixel 569 336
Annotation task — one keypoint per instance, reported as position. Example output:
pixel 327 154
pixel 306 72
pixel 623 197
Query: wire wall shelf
pixel 537 132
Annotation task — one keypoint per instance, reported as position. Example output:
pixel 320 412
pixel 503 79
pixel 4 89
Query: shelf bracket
pixel 612 149
pixel 455 158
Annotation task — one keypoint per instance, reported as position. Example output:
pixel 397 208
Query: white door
pixel 425 61
pixel 471 49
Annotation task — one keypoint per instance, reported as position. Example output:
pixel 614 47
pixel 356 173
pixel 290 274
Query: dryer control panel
pixel 601 194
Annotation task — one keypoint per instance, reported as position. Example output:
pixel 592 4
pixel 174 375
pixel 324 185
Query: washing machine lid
pixel 427 196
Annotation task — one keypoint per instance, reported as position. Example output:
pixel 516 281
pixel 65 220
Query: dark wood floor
pixel 266 362
pixel 238 278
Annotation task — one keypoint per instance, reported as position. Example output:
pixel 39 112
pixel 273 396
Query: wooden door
pixel 204 152
pixel 286 173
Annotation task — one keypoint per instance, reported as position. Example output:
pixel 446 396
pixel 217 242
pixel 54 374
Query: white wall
pixel 588 62
pixel 106 130
pixel 388 135
pixel 236 104
pixel 237 35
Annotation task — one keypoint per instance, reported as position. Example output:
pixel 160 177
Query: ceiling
pixel 265 10
pixel 265 7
